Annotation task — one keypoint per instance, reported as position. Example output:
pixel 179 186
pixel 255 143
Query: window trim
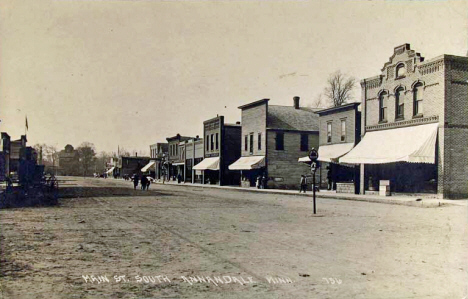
pixel 343 136
pixel 399 103
pixel 329 131
pixel 304 143
pixel 279 146
pixel 417 102
pixel 259 141
pixel 383 113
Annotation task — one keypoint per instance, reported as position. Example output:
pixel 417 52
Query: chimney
pixel 296 102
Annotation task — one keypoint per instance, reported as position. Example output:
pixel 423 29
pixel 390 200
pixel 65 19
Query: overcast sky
pixel 132 73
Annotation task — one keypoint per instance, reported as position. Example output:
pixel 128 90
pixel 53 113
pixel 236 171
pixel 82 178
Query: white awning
pixel 178 164
pixel 208 164
pixel 110 170
pixel 414 144
pixel 147 166
pixel 330 152
pixel 248 163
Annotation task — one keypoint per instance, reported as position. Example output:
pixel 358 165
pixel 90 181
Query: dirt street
pixel 106 240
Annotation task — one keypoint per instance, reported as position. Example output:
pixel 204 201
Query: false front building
pixel 415 126
pixel 222 147
pixel 273 139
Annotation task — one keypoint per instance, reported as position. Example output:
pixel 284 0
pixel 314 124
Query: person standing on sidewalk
pixel 303 184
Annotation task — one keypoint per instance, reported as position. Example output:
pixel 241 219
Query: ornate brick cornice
pixel 404 123
pixel 431 67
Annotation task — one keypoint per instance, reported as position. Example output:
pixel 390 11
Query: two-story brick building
pixel 222 147
pixel 415 125
pixel 273 139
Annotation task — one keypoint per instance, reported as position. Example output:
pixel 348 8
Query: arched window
pixel 400 70
pixel 383 106
pixel 418 99
pixel 399 104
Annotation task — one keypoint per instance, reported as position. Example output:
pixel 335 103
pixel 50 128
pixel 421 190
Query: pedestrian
pixel 135 181
pixel 148 184
pixel 259 181
pixel 329 178
pixel 179 178
pixel 144 182
pixel 264 181
pixel 303 184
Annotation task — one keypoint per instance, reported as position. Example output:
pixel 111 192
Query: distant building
pixel 176 158
pixel 68 161
pixel 415 126
pixel 222 147
pixel 193 156
pixel 17 147
pixel 158 153
pixel 128 166
pixel 5 150
pixel 273 139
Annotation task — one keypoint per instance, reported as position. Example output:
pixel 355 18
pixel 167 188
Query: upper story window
pixel 245 142
pixel 400 71
pixel 329 132
pixel 343 130
pixel 217 140
pixel 251 143
pixel 399 104
pixel 207 143
pixel 304 142
pixel 418 99
pixel 212 142
pixel 259 141
pixel 279 141
pixel 383 106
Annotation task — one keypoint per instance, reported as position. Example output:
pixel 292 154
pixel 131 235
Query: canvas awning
pixel 248 163
pixel 415 144
pixel 147 166
pixel 330 152
pixel 110 170
pixel 208 164
pixel 178 164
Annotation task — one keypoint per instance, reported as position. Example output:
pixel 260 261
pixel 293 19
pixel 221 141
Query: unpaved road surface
pixel 103 228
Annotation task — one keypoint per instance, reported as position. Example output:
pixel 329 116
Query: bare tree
pixel 318 102
pixel 339 89
pixel 48 153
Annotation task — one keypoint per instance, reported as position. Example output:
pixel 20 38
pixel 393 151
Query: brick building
pixel 222 147
pixel 340 131
pixel 273 139
pixel 414 125
pixel 176 156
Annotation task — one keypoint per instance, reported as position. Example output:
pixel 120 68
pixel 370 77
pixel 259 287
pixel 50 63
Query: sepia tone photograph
pixel 233 149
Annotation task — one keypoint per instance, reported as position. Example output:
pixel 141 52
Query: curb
pixel 431 203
